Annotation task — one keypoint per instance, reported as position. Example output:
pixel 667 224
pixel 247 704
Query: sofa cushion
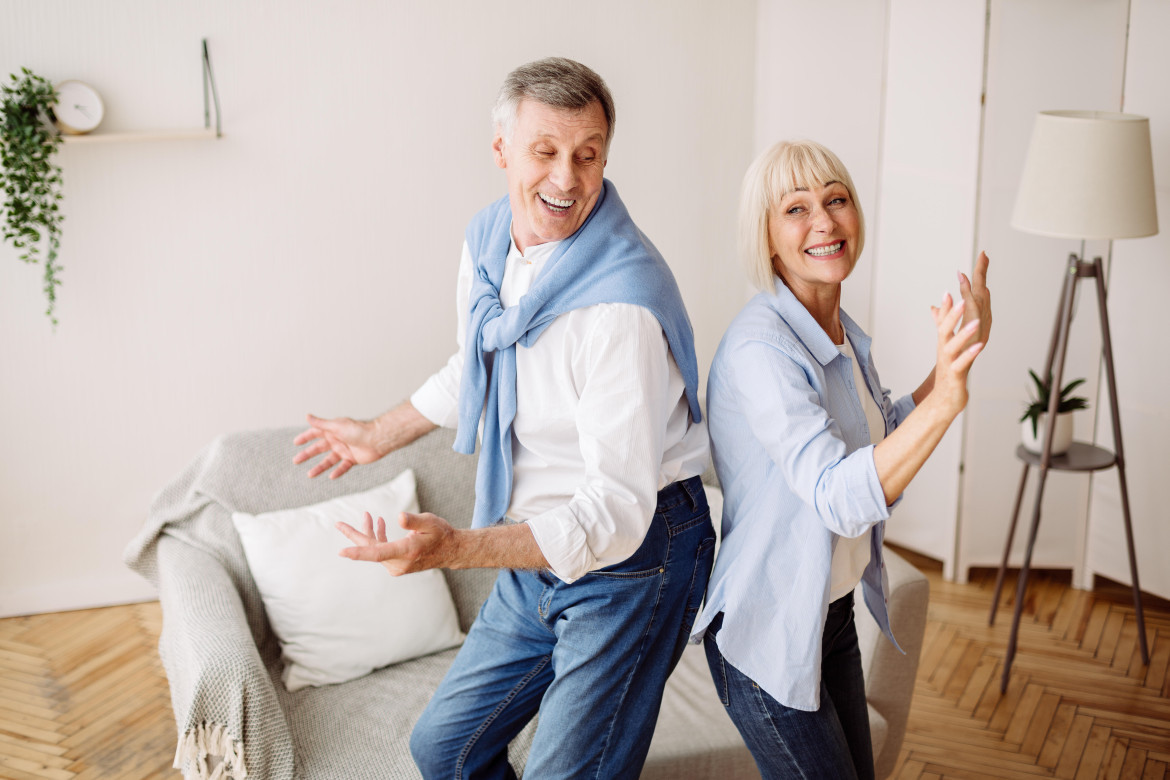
pixel 336 618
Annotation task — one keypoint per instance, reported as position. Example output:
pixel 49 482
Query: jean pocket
pixel 628 575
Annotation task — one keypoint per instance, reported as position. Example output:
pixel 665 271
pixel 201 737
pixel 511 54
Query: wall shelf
pixel 210 100
pixel 208 133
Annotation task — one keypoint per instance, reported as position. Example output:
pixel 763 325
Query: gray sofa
pixel 223 661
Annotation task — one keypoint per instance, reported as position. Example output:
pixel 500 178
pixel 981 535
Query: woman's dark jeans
pixel 831 743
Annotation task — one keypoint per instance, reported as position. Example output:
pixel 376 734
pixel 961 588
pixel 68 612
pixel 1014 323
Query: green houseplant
pixel 1036 411
pixel 31 182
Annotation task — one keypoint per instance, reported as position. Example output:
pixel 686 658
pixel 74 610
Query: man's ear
pixel 498 151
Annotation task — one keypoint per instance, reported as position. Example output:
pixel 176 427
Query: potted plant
pixel 31 183
pixel 1034 421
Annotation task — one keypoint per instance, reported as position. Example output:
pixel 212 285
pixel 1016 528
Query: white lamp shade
pixel 1088 175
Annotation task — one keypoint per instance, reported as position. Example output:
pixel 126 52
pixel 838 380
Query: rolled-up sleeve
pixel 804 441
pixel 438 397
pixel 621 422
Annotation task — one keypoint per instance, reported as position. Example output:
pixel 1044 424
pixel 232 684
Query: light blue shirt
pixel 792 450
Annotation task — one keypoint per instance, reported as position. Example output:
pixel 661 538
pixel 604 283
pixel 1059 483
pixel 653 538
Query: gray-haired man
pixel 576 353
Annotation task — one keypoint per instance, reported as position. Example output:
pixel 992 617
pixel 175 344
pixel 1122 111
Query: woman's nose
pixel 822 220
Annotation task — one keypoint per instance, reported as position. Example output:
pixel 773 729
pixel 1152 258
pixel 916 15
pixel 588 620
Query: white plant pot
pixel 1061 440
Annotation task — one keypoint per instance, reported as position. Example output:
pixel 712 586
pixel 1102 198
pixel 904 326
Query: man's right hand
pixel 348 442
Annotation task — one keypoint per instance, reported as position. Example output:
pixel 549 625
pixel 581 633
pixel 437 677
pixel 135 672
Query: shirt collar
pixel 810 332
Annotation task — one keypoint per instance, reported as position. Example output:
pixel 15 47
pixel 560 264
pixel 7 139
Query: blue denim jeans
pixel 832 743
pixel 591 656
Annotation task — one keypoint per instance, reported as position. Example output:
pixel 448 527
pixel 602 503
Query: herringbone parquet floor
pixel 83 696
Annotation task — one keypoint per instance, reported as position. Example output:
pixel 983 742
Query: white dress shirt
pixel 602 422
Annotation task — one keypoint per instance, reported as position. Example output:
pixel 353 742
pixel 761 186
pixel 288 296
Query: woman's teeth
pixel 822 251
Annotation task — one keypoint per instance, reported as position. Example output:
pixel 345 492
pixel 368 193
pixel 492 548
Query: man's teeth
pixel 821 251
pixel 556 203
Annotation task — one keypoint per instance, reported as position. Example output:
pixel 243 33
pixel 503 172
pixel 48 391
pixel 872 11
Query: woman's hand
pixel 955 354
pixel 977 299
pixel 976 303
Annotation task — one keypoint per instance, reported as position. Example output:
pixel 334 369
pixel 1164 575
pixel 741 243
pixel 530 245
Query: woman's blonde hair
pixel 786 167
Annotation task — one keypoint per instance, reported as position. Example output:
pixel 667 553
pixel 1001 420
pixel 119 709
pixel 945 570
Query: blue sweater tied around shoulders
pixel 608 260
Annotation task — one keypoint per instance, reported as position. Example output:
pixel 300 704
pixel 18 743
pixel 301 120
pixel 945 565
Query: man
pixel 575 350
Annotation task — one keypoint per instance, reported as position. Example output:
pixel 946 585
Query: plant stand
pixel 1080 457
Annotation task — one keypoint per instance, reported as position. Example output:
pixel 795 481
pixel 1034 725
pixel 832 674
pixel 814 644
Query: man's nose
pixel 564 174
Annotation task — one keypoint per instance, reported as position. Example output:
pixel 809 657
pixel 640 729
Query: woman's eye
pixel 796 210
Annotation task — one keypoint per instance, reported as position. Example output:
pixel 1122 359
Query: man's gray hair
pixel 553 81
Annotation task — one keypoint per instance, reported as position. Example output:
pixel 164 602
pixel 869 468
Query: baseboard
pixel 76 594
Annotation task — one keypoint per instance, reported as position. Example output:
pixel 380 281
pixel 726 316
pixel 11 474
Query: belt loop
pixel 694 488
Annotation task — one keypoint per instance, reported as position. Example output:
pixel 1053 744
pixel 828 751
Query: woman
pixel 812 455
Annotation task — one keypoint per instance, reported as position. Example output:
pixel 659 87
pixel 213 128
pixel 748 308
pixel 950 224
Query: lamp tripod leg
pixel 1007 547
pixel 1115 416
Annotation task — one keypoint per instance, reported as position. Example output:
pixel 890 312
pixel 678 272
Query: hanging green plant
pixel 30 180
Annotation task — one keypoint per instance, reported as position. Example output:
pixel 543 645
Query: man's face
pixel 554 163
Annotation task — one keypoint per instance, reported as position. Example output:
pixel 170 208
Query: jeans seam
pixel 758 695
pixel 466 751
pixel 636 665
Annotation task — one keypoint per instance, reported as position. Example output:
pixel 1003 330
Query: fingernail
pixel 972 325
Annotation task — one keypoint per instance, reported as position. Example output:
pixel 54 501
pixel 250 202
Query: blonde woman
pixel 812 454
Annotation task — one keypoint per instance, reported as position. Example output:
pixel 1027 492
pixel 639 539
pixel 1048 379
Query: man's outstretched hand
pixel 347 443
pixel 427 545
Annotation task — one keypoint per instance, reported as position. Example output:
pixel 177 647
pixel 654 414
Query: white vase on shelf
pixel 1061 440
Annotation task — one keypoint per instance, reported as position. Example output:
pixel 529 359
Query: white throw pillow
pixel 336 618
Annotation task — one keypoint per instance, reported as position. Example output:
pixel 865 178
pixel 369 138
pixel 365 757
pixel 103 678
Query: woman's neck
pixel 823 302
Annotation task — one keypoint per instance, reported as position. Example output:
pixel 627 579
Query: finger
pixel 375 552
pixel 952 317
pixel 961 340
pixel 311 452
pixel 981 265
pixel 329 462
pixel 410 521
pixel 381 536
pixel 962 364
pixel 306 436
pixel 345 466
pixel 353 534
pixel 323 424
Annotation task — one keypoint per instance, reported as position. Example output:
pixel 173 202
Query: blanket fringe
pixel 210 740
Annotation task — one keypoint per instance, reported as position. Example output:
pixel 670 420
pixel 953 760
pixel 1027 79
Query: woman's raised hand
pixel 957 351
pixel 977 299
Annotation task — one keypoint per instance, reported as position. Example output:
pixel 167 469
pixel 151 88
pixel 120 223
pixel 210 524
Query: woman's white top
pixel 851 555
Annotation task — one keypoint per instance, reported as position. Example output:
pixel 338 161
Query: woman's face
pixel 814 236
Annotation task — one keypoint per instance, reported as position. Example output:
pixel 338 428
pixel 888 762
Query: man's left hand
pixel 427 545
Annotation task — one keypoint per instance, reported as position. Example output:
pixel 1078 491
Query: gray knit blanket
pixel 234 717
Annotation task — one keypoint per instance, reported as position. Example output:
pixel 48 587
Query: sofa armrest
pixel 890 675
pixel 214 670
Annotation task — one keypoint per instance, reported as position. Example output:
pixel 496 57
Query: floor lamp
pixel 1088 175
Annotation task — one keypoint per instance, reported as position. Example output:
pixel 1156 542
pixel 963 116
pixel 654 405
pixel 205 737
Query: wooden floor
pixel 82 694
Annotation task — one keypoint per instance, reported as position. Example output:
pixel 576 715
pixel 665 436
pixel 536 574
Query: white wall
pixel 306 260
pixel 933 104
pixel 930 171
pixel 1139 278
